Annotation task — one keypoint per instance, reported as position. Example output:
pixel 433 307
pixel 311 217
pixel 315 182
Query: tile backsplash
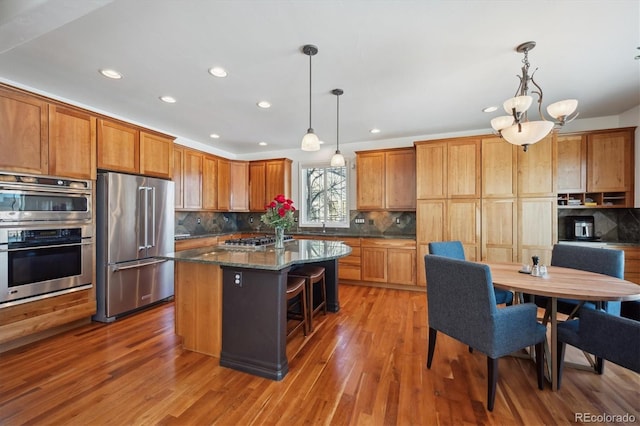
pixel 370 224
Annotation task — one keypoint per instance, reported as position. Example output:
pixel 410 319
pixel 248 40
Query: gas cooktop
pixel 253 242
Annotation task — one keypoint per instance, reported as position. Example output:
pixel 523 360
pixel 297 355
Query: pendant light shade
pixel 338 159
pixel 310 141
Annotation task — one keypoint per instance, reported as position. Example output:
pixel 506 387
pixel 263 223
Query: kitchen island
pixel 231 302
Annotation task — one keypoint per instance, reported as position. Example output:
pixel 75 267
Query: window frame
pixel 303 191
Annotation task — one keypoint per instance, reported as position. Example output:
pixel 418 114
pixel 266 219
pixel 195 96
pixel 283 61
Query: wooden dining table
pixel 563 283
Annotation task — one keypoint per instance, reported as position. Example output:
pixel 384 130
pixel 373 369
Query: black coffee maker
pixel 580 228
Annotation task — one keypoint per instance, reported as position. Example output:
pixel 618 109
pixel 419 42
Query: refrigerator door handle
pixel 143 202
pixel 123 267
pixel 153 217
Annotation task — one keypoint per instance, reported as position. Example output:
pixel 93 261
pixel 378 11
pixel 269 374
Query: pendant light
pixel 310 141
pixel 338 159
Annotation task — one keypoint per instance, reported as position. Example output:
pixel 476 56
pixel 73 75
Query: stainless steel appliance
pixel 252 242
pixel 580 228
pixel 30 198
pixel 42 261
pixel 134 223
pixel 46 237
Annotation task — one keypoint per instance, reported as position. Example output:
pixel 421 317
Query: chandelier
pixel 516 128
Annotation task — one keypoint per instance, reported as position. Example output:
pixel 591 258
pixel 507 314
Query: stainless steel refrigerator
pixel 134 223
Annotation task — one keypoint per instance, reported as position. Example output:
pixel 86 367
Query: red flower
pixel 280 198
pixel 282 212
pixel 272 205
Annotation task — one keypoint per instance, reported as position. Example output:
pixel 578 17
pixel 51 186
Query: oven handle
pixel 117 268
pixel 84 243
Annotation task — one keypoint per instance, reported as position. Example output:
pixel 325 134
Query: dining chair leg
pixel 432 345
pixel 560 362
pixel 599 365
pixel 540 364
pixel 492 380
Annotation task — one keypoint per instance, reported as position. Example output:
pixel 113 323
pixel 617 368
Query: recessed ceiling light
pixel 168 99
pixel 264 104
pixel 262 143
pixel 374 130
pixel 218 72
pixel 111 74
pixel 214 136
pixel 490 109
pixel 320 142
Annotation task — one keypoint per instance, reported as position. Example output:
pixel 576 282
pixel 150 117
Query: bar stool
pixel 296 288
pixel 313 275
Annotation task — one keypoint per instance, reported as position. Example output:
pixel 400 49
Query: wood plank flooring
pixel 364 365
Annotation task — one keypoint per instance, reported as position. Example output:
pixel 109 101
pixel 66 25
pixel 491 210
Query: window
pixel 324 196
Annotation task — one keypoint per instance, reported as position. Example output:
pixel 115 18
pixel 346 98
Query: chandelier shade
pixel 516 128
pixel 310 141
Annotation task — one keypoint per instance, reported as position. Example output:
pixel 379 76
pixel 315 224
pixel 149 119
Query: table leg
pixel 554 344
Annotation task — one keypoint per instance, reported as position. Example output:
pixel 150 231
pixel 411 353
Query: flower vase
pixel 279 237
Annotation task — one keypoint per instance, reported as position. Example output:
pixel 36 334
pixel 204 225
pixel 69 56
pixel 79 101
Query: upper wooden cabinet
pixel 596 169
pixel 448 168
pixel 386 179
pixel 118 146
pixel 192 165
pixel 499 168
pixel 239 186
pixel 572 163
pixel 156 155
pixel 609 161
pixel 178 156
pixel 268 178
pixel 209 182
pixel 72 142
pixel 126 148
pixel 224 184
pixel 24 133
pixel 537 169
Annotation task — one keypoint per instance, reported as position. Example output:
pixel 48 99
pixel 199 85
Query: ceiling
pixel 406 67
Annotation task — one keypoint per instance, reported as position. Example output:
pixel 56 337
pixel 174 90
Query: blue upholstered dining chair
pixel 599 260
pixel 474 318
pixel 607 336
pixel 454 250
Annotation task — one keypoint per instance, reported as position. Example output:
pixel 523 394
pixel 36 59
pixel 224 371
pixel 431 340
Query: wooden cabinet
pixel 596 169
pixel 239 172
pixel 193 243
pixel 448 168
pixel 268 178
pixel 156 155
pixel 192 179
pixel 178 157
pixel 118 146
pixel 24 133
pixel 224 184
pixel 391 261
pixel 386 179
pixel 349 267
pixel 631 262
pixel 209 182
pixel 125 148
pixel 499 230
pixel 463 224
pixel 537 228
pixel 537 169
pixel 499 169
pixel 72 142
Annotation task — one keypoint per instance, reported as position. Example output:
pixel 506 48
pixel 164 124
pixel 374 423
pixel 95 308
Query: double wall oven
pixel 46 237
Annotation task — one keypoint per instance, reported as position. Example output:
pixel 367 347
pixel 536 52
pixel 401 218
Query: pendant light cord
pixel 310 91
pixel 338 124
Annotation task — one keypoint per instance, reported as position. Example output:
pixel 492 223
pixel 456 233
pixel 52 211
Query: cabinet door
pixel 537 169
pixel 192 179
pixel 401 266
pixel 499 230
pixel 278 179
pixel 374 264
pixel 431 170
pixel 209 182
pixel 224 185
pixel 178 180
pixel 572 163
pixel 239 186
pixel 400 179
pixel 431 216
pixel 463 168
pixel 370 184
pixel 257 185
pixel 72 143
pixel 537 229
pixel 156 154
pixel 499 168
pixel 23 133
pixel 609 157
pixel 421 276
pixel 118 147
pixel 464 225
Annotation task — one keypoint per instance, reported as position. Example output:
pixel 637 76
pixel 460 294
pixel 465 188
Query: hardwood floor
pixel 364 365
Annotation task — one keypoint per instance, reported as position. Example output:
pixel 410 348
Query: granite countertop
pixel 302 234
pixel 600 243
pixel 294 252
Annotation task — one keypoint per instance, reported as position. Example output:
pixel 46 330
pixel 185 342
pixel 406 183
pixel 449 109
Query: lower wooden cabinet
pixel 631 262
pixel 391 261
